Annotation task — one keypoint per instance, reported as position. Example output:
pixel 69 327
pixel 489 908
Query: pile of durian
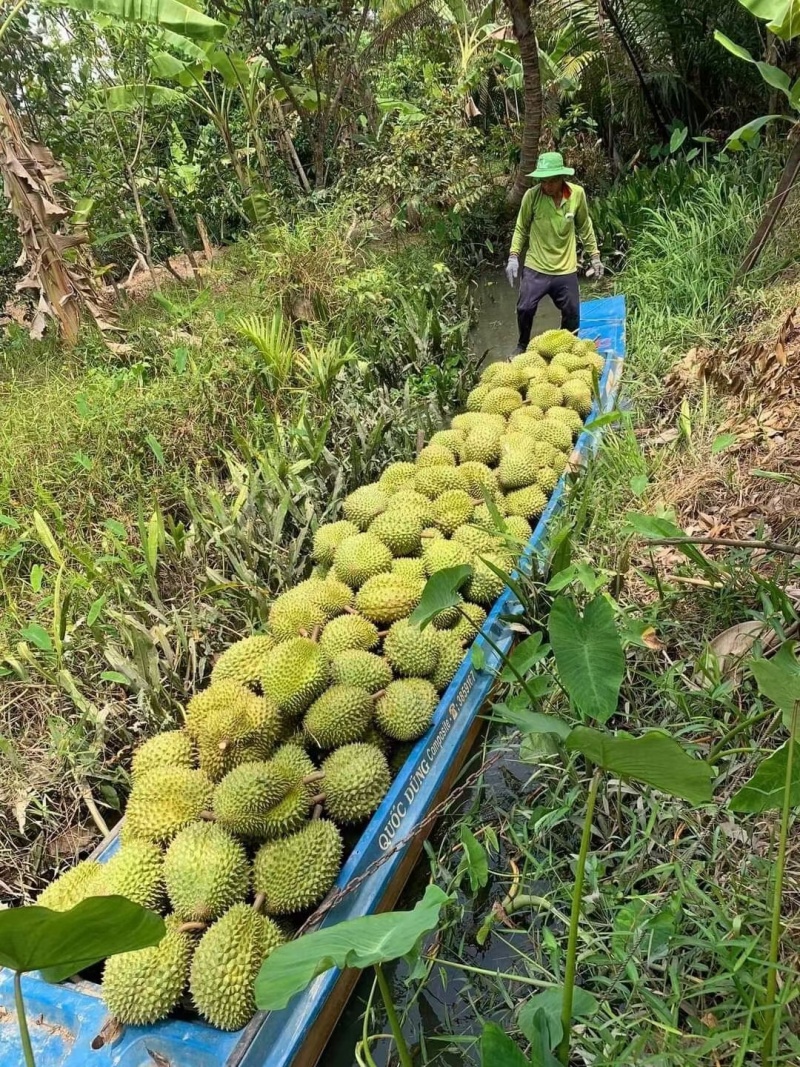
pixel 234 822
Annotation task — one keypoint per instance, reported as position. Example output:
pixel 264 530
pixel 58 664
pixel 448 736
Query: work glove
pixel 597 267
pixel 512 270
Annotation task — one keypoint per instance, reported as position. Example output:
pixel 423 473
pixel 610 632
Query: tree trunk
pixel 522 24
pixel 650 100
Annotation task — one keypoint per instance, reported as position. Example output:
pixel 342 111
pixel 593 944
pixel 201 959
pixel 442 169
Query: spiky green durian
pixel 409 501
pixel 477 478
pixel 296 872
pixel 516 469
pixel 342 714
pixel 412 652
pixel 328 538
pixel 521 420
pixel 529 502
pixel 331 594
pixel 555 433
pixel 172 748
pixel 556 374
pixel 397 476
pixel 546 479
pixel 578 396
pixel 544 395
pixel 501 401
pixel 358 558
pixel 239 727
pixel 449 439
pixel 451 656
pixel 552 341
pixel 244 797
pixel 409 567
pixel 399 530
pixel 225 965
pixel 362 505
pixel 348 631
pixel 476 398
pixel 388 597
pixel 205 871
pixel 584 375
pixel 447 617
pixel 81 881
pixel 519 528
pixel 294 612
pixel 482 445
pixel 595 360
pixel 436 456
pixel 468 420
pixel 484 587
pixel 440 554
pixel 505 375
pixel 472 619
pixel 530 360
pixel 475 538
pixel 296 672
pixel 293 812
pixel 162 802
pixel 433 481
pixel 405 711
pixel 570 361
pixel 141 987
pixel 568 417
pixel 135 871
pixel 362 669
pixel 453 508
pixel 356 780
pixel 243 661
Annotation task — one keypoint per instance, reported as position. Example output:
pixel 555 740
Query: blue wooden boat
pixel 68 1021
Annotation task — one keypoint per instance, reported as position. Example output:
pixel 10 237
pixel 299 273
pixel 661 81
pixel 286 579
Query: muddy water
pixel 495 333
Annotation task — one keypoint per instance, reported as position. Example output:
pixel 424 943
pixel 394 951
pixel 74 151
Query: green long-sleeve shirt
pixel 549 231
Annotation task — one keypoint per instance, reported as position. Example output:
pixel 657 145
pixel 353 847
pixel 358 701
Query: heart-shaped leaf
pixel 475 860
pixel 549 1004
pixel 356 943
pixel 498 1050
pixel 779 678
pixel 440 593
pixel 764 791
pixel 588 655
pixel 62 943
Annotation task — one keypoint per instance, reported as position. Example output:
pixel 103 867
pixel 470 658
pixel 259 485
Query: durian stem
pixel 379 694
pixel 258 901
pixel 22 1022
pixel 222 746
pixel 316 632
pixel 317 812
pixel 207 816
pixel 391 1015
pixel 192 928
pixel 317 776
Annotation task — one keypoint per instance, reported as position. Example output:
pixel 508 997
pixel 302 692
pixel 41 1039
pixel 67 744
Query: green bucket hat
pixel 551 165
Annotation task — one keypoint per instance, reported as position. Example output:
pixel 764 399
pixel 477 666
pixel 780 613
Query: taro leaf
pixel 440 593
pixel 588 655
pixel 654 758
pixel 526 655
pixel 639 931
pixel 657 527
pixel 764 791
pixel 476 861
pixel 549 1004
pixel 355 943
pixel 532 722
pixel 779 678
pixel 62 943
pixel 498 1050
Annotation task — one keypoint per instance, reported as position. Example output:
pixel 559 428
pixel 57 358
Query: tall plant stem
pixel 504 659
pixel 391 1015
pixel 771 1017
pixel 22 1022
pixel 15 10
pixel 574 922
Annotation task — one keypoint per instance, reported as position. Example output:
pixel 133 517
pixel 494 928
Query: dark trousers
pixel 562 290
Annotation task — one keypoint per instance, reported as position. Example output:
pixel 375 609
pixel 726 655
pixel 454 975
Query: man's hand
pixel 512 269
pixel 597 267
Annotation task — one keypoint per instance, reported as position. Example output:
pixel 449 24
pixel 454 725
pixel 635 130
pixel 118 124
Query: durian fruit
pixel 244 797
pixel 388 597
pixel 546 479
pixel 544 395
pixel 293 812
pixel 451 655
pixel 342 714
pixel 530 359
pixel 205 871
pixel 433 481
pixel 412 652
pixel 476 398
pixel 295 873
pixel 411 502
pixel 516 469
pixel 162 802
pixel 485 519
pixel 296 672
pixel 578 397
pixel 596 361
pixel 475 538
pixel 441 554
pixel 446 618
pixel 436 456
pixel 141 987
pixel 357 778
pixel 522 419
pixel 362 505
pixel 557 374
pixel 468 626
pixel 405 711
pixel 552 341
pixel 358 558
pixel 568 417
pixel 449 439
pixel 400 753
pixel 331 594
pixel 479 477
pixel 243 661
pixel 519 528
pixel 482 445
pixel 397 476
pixel 555 433
pixel 226 963
pixel 364 670
pixel 328 538
pixel 451 509
pixel 399 530
pixel 79 882
pixel 431 533
pixel 585 347
pixel 570 361
pixel 348 631
pixel 232 725
pixel 135 871
pixel 409 567
pixel 501 401
pixel 484 587
pixel 467 420
pixel 293 613
pixel 585 375
pixel 529 502
pixel 172 748
pixel 505 375
pixel 378 740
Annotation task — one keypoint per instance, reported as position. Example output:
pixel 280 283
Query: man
pixel 550 215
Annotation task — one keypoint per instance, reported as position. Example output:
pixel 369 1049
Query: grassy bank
pixel 156 497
